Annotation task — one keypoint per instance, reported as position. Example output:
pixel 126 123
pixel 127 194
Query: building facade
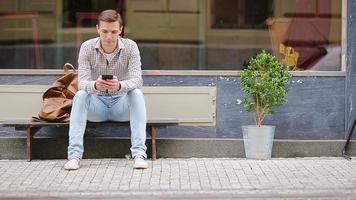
pixel 205 43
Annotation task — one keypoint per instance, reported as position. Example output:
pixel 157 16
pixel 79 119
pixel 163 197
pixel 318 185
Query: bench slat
pixel 29 123
pixel 32 127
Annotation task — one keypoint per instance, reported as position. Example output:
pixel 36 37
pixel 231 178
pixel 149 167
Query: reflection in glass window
pixel 177 34
pixel 236 14
pixel 78 10
pixel 310 33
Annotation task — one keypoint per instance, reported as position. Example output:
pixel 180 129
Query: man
pixel 104 98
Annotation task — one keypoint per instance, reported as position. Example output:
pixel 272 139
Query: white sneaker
pixel 72 164
pixel 140 163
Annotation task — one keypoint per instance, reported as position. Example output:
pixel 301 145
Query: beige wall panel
pixel 20 102
pixel 147 5
pixel 249 37
pixel 283 7
pixel 183 5
pixel 8 5
pixel 162 26
pixel 70 34
pixel 189 105
pixel 335 8
pixel 183 20
pixel 151 20
pixel 146 25
pixel 37 5
pixel 335 31
pixel 21 28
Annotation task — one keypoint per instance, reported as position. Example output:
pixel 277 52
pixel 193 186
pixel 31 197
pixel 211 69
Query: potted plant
pixel 265 82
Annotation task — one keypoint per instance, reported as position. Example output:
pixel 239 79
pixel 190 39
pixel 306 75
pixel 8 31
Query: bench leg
pixel 153 142
pixel 30 133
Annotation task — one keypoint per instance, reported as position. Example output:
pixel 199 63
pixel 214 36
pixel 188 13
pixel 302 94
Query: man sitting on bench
pixel 109 75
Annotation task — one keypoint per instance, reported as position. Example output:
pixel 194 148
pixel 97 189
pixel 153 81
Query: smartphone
pixel 106 76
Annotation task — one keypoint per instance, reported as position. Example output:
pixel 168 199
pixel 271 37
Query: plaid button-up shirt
pixel 125 64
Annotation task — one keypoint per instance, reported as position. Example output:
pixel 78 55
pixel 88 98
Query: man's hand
pixel 108 84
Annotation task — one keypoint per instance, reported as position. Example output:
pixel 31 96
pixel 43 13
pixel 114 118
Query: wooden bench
pixel 32 128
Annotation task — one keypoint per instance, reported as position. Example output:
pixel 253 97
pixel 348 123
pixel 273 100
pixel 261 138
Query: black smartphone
pixel 106 76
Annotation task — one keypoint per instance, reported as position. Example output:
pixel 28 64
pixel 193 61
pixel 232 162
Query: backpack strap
pixel 67 66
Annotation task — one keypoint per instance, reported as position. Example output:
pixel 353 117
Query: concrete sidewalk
pixel 195 178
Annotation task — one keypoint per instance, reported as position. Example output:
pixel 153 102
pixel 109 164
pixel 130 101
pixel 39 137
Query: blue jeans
pixel 89 107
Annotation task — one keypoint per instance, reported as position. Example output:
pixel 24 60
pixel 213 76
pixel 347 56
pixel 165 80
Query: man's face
pixel 109 32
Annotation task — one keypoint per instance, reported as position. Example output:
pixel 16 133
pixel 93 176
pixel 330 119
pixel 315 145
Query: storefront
pixel 206 43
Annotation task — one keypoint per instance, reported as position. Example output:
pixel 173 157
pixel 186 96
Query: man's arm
pixel 85 80
pixel 134 71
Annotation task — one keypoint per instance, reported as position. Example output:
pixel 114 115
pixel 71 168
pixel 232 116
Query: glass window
pixel 177 34
pixel 243 14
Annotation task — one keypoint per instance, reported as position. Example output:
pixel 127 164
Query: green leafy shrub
pixel 265 81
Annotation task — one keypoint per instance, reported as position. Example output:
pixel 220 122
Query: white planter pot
pixel 258 141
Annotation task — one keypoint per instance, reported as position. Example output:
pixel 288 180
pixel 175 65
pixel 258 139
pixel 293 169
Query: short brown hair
pixel 110 16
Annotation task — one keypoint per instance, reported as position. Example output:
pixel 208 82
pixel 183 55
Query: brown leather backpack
pixel 57 100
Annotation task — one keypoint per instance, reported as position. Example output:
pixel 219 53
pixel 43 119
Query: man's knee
pixel 136 97
pixel 80 95
pixel 136 93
